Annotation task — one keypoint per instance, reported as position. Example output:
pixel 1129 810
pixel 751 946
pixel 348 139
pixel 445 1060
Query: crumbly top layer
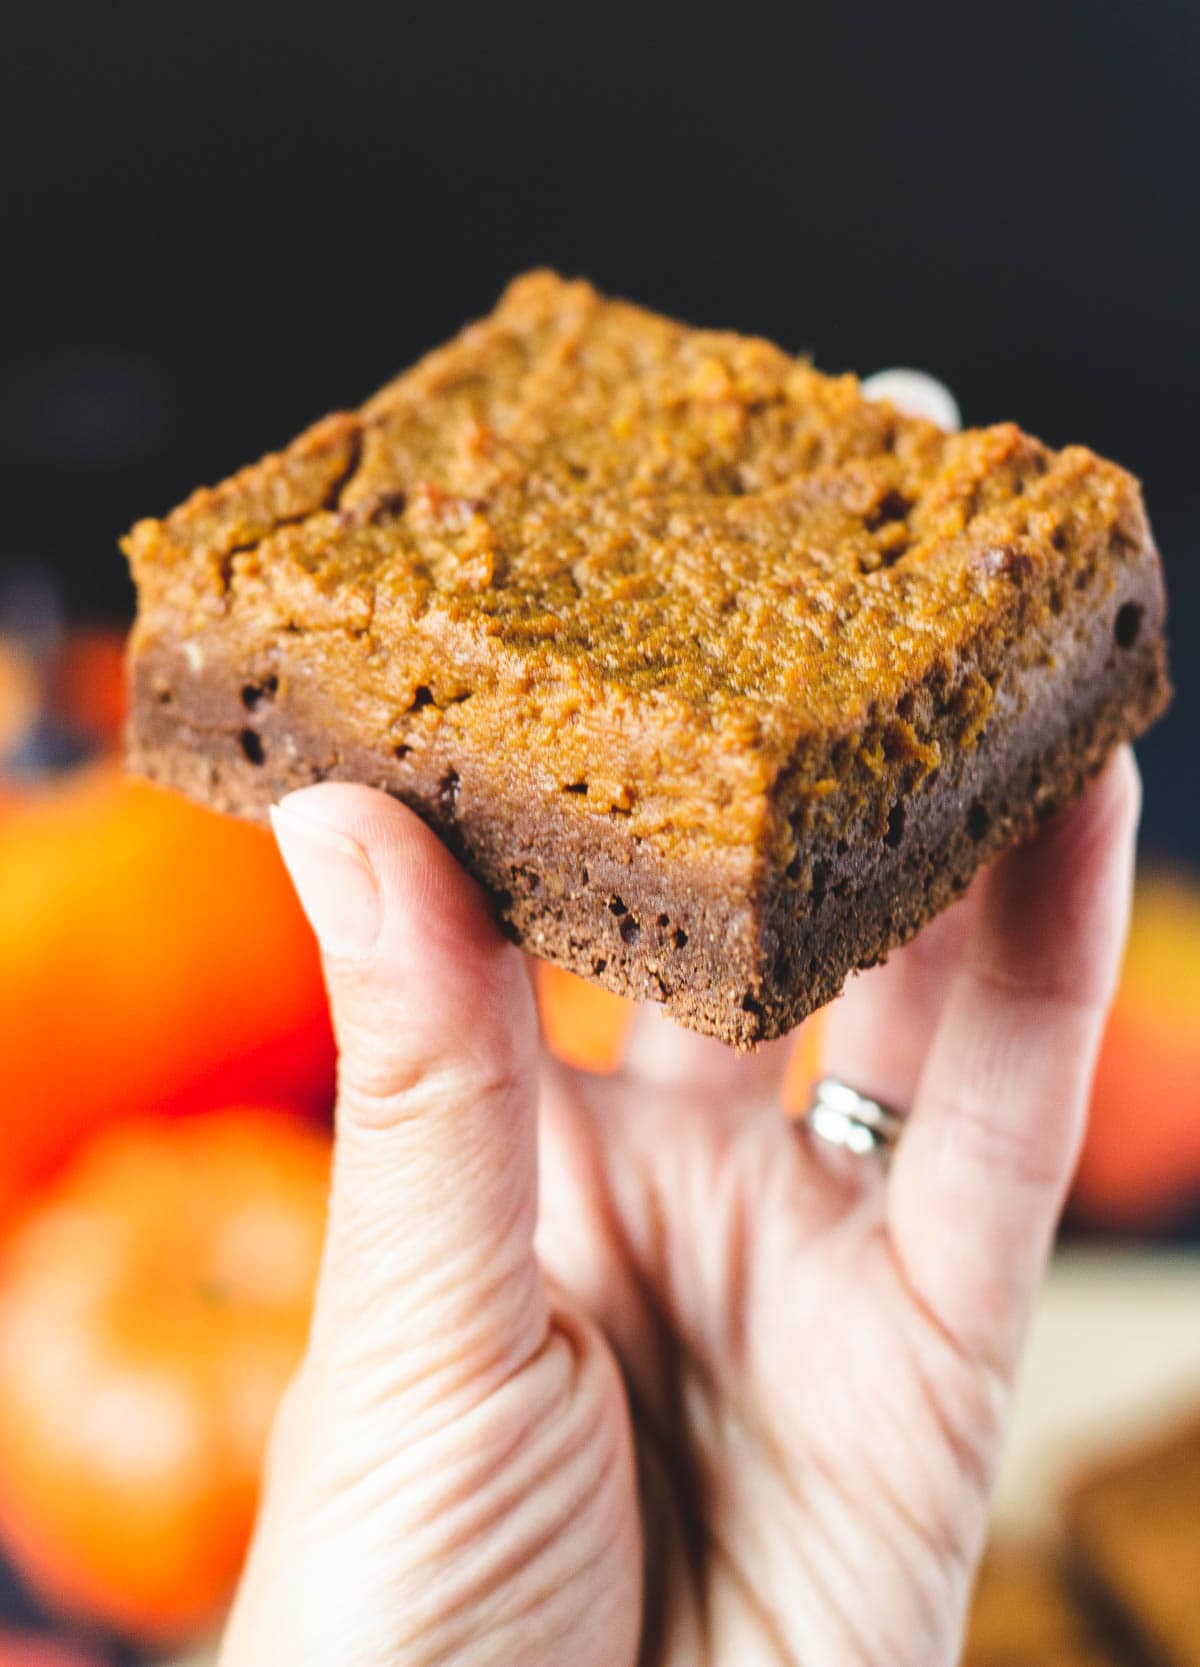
pixel 688 519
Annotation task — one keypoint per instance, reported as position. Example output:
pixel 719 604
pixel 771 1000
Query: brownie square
pixel 720 677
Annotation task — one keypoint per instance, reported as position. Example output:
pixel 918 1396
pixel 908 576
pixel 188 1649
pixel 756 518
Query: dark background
pixel 222 220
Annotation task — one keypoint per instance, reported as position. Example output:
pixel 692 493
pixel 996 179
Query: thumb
pixel 429 1291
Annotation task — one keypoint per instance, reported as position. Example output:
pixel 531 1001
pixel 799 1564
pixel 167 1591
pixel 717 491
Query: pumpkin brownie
pixel 1026 1613
pixel 719 676
pixel 1134 1533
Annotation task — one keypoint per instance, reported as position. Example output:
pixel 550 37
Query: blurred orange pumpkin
pixel 1141 1158
pixel 152 957
pixel 152 1308
pixel 583 1024
pixel 586 1026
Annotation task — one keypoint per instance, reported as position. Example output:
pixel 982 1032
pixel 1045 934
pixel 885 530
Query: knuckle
pixel 386 1086
pixel 984 1138
pixel 1056 984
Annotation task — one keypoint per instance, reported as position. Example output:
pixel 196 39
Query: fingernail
pixel 917 395
pixel 334 881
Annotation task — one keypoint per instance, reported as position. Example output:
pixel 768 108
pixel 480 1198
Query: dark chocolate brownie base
pixel 741 966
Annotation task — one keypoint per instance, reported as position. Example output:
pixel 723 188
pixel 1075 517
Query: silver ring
pixel 842 1116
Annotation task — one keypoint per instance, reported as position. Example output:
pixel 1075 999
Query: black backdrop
pixel 224 219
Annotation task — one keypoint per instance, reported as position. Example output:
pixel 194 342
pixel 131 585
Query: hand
pixel 704 1395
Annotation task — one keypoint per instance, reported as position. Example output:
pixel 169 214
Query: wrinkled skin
pixel 705 1393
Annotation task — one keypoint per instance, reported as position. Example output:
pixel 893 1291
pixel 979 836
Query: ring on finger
pixel 853 1122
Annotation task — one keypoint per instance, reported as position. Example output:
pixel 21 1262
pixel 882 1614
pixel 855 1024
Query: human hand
pixel 705 1393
